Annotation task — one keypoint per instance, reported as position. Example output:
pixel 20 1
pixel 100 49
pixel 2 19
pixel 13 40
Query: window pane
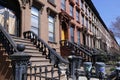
pixel 52 1
pixel 77 1
pixel 51 28
pixel 51 19
pixel 82 20
pixel 81 3
pixel 77 15
pixel 34 29
pixel 87 23
pixel 51 36
pixel 34 19
pixel 71 10
pixel 34 11
pixel 78 34
pixel 72 33
pixel 63 4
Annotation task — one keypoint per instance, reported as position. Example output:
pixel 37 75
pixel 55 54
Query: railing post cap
pixel 20 56
pixel 20 47
pixel 72 52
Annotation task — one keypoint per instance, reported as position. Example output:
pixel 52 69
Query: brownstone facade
pixel 54 20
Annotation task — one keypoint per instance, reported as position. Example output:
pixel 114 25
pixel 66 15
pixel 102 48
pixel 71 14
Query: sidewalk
pixel 84 78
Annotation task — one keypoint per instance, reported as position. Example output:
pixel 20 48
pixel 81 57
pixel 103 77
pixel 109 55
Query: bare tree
pixel 116 27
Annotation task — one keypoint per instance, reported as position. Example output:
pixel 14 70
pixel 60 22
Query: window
pixel 89 13
pixel 63 6
pixel 86 23
pixel 77 1
pixel 34 20
pixel 71 10
pixel 51 29
pixel 51 1
pixel 81 3
pixel 77 15
pixel 92 27
pixel 78 36
pixel 86 9
pixel 72 34
pixel 89 26
pixel 82 19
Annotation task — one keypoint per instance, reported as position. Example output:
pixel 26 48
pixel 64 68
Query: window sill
pixel 52 42
pixel 53 4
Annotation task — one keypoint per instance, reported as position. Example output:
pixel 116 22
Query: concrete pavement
pixel 84 78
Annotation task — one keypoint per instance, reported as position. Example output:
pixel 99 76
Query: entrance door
pixel 34 20
pixel 64 32
pixel 8 20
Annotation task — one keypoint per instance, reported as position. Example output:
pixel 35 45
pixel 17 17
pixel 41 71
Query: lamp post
pixel 74 65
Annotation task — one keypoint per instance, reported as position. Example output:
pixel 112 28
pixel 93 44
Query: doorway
pixel 8 20
pixel 10 16
pixel 64 32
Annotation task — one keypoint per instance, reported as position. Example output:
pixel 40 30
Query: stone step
pixel 38 58
pixel 15 37
pixel 40 63
pixel 21 40
pixel 26 44
pixel 34 53
pixel 29 50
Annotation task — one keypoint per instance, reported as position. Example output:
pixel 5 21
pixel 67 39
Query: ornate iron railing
pixel 7 41
pixel 51 54
pixel 18 61
pixel 76 48
pixel 86 48
pixel 43 72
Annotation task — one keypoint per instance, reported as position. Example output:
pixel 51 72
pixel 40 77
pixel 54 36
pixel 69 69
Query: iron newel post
pixel 19 63
pixel 74 65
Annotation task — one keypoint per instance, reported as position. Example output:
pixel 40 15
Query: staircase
pixel 67 46
pixel 40 66
pixel 44 64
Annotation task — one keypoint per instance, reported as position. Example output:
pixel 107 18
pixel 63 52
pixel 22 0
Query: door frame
pixel 14 6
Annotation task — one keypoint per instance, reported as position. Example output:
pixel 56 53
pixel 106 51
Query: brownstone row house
pixel 63 25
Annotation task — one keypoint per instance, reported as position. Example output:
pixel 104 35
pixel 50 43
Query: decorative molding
pixel 52 12
pixel 64 17
pixel 24 2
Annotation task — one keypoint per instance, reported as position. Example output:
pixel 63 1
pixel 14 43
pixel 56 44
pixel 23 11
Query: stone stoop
pixel 37 60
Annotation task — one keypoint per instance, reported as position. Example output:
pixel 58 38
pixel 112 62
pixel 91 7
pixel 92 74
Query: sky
pixel 108 10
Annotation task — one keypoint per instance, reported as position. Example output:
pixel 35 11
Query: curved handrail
pixel 61 59
pixel 76 46
pixel 8 39
pixel 84 47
